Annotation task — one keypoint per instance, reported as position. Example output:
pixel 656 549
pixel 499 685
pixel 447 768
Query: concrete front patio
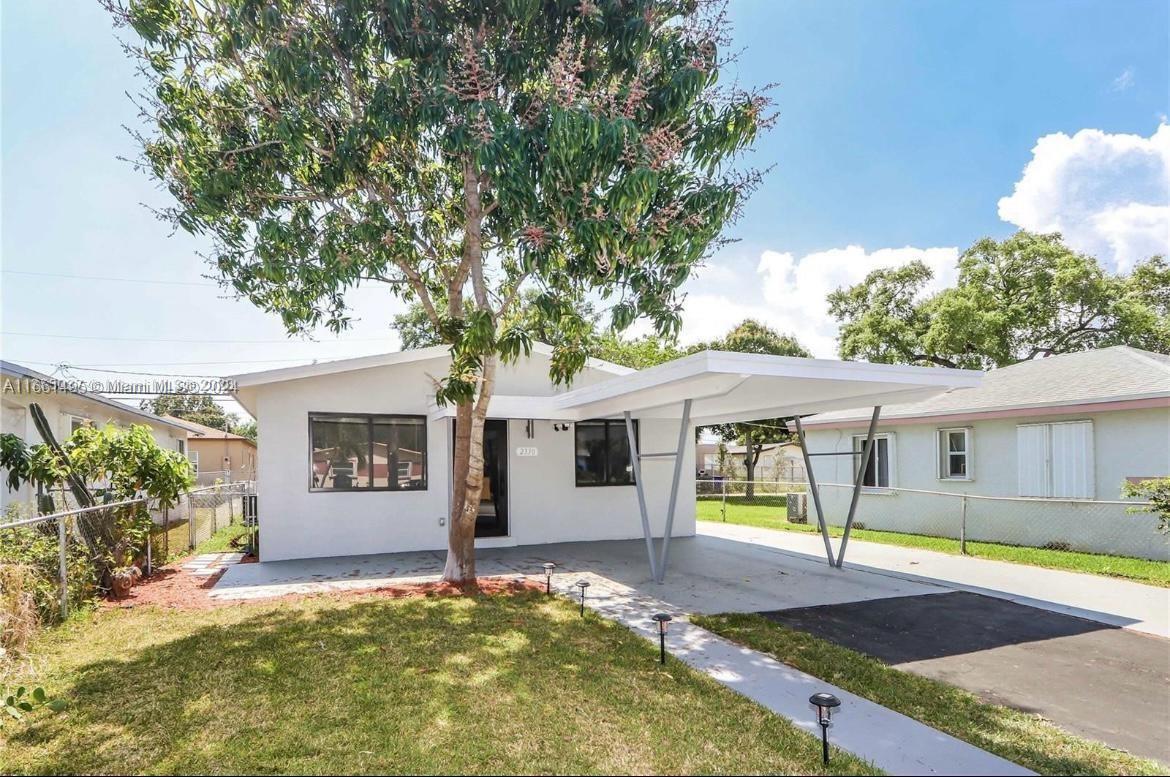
pixel 707 574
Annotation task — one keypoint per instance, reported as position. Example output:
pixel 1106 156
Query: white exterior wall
pixel 1125 443
pixel 15 418
pixel 544 503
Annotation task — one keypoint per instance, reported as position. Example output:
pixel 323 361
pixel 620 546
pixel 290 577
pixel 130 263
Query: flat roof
pixel 726 387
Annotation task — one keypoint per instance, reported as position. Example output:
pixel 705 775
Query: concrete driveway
pixel 707 574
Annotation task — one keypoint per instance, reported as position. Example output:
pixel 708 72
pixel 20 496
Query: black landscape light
pixel 548 570
pixel 662 619
pixel 582 584
pixel 825 704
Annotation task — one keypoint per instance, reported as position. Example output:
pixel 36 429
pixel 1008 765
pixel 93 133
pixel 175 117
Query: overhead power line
pixel 179 340
pixel 158 281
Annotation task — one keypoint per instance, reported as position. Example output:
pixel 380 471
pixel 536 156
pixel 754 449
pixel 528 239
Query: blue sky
pixel 903 128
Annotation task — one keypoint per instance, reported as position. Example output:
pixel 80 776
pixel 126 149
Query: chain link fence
pixel 1104 527
pixel 69 545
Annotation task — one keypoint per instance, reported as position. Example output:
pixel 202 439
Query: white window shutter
pixel 1032 459
pixel 1072 460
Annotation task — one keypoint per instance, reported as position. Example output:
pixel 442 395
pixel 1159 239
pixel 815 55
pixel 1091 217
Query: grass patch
pixel 483 684
pixel 769 512
pixel 1025 739
pixel 221 541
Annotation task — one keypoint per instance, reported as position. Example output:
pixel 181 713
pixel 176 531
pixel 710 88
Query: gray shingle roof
pixel 1105 375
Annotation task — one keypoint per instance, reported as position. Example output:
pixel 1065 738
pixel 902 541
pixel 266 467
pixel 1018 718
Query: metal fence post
pixel 64 566
pixel 190 522
pixel 963 526
pixel 723 507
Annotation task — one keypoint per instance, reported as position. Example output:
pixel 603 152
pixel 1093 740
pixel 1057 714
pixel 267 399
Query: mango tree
pixel 458 152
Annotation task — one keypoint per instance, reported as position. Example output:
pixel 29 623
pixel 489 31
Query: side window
pixel 954 454
pixel 879 473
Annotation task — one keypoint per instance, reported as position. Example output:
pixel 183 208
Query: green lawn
pixel 769 512
pixel 328 685
pixel 1025 739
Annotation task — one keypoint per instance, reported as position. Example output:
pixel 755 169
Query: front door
pixel 492 520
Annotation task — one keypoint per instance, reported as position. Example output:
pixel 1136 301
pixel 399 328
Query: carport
pixel 716 387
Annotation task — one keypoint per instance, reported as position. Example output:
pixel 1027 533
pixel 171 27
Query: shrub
pixel 35 549
pixel 1157 492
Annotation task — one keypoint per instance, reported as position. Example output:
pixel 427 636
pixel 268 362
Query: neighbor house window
pixel 879 473
pixel 193 457
pixel 954 454
pixel 1056 460
pixel 367 452
pixel 603 453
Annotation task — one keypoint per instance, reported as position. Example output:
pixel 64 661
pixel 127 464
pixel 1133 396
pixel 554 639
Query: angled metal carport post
pixel 816 491
pixel 636 463
pixel 862 468
pixel 678 464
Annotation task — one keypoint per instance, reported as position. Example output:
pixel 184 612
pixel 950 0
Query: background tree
pixel 750 336
pixel 455 152
pixel 1016 299
pixel 200 408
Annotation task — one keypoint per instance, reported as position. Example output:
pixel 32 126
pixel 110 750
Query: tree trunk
pixel 468 482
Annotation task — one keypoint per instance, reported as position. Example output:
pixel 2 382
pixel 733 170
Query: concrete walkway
pixel 891 741
pixel 1117 602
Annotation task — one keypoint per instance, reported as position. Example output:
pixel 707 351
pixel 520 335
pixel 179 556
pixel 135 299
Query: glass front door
pixel 492 520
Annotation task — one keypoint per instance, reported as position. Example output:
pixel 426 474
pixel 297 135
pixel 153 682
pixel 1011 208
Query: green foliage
pixel 637 353
pixel 1016 299
pixel 14 457
pixel 575 148
pixel 21 702
pixel 36 547
pixel 1157 492
pixel 131 461
pixel 200 408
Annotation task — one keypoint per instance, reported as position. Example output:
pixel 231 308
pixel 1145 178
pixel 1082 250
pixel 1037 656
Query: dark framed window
pixel 356 452
pixel 602 453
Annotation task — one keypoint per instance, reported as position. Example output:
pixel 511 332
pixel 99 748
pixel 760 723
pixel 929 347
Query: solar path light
pixel 548 570
pixel 825 704
pixel 582 584
pixel 662 619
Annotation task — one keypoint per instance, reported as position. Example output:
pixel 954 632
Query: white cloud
pixel 792 293
pixel 1123 81
pixel 1109 194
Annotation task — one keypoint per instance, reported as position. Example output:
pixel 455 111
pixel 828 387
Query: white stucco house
pixel 356 457
pixel 1069 428
pixel 67 405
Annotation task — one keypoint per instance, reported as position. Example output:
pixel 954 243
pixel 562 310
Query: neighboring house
pixel 1073 426
pixel 778 462
pixel 357 457
pixel 216 454
pixel 66 408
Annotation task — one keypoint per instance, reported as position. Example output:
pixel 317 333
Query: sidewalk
pixel 895 743
pixel 1108 600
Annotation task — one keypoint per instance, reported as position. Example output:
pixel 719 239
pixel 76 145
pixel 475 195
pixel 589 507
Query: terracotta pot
pixel 121 582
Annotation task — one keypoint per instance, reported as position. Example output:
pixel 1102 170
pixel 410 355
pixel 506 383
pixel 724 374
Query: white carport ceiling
pixel 728 387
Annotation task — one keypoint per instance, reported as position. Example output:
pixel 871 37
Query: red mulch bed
pixel 179 589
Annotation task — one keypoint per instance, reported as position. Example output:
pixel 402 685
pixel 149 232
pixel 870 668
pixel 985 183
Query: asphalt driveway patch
pixel 1096 680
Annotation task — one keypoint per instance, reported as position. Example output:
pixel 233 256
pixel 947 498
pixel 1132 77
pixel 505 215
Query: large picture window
pixel 603 453
pixel 367 452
